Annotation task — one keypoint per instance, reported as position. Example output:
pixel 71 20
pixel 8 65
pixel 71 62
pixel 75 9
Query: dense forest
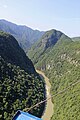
pixel 19 88
pixel 61 63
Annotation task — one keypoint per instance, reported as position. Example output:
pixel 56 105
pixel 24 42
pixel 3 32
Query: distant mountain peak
pixel 47 41
pixel 24 35
pixel 51 37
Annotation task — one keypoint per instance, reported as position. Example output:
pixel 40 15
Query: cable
pixel 53 95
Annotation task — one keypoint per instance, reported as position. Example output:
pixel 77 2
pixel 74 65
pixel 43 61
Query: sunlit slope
pixel 61 63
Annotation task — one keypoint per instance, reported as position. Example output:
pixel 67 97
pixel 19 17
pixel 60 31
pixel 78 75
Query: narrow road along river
pixel 49 107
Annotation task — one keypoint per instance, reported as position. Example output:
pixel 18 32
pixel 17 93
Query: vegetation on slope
pixel 12 53
pixel 76 38
pixel 63 70
pixel 23 34
pixel 47 41
pixel 19 88
pixel 61 63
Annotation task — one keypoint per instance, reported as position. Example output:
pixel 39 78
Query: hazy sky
pixel 62 15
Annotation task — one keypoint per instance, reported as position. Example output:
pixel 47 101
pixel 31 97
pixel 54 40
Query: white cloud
pixel 5 6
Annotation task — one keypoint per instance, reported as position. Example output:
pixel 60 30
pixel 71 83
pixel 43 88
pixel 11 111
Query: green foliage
pixel 47 41
pixel 20 85
pixel 61 63
pixel 4 34
pixel 76 39
pixel 19 90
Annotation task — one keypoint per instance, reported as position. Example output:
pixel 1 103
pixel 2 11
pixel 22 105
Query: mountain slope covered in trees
pixel 61 63
pixel 20 85
pixel 76 38
pixel 12 53
pixel 45 43
pixel 23 34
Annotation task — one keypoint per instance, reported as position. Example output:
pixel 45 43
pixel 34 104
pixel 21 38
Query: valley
pixel 60 61
pixel 48 112
pixel 20 85
pixel 53 55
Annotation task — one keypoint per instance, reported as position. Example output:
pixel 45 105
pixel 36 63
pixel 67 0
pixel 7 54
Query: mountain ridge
pixel 24 35
pixel 61 64
pixel 76 38
pixel 12 53
pixel 47 41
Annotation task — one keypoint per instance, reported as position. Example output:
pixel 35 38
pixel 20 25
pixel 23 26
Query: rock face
pixel 23 34
pixel 50 38
pixel 47 41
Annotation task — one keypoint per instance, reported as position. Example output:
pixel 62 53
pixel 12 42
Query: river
pixel 49 106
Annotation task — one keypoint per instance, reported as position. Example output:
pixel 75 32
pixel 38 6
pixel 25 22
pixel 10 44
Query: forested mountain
pixel 47 41
pixel 76 38
pixel 20 85
pixel 12 53
pixel 61 63
pixel 23 34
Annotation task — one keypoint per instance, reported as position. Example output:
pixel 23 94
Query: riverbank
pixel 49 105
